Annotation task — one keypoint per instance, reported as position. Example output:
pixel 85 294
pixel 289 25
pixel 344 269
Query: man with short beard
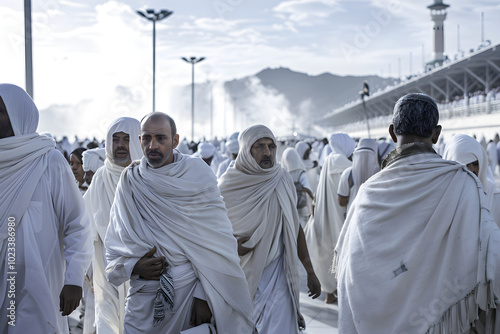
pixel 122 146
pixel 261 200
pixel 170 235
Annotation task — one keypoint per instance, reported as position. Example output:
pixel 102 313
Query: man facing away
pixel 168 209
pixel 122 146
pixel 44 229
pixel 261 200
pixel 419 252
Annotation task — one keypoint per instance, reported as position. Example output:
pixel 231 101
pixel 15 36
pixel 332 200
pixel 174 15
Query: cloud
pixel 306 12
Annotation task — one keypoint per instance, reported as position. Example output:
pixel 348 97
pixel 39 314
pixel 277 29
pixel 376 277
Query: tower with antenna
pixel 438 15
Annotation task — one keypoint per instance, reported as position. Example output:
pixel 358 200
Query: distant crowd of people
pixel 147 233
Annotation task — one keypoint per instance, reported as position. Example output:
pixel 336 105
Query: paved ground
pixel 321 318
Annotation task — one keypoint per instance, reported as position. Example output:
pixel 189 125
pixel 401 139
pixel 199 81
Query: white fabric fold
pixel 178 209
pixel 93 159
pixel 267 214
pixel 415 246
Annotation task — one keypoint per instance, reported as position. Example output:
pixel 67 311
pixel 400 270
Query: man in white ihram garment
pixel 122 147
pixel 92 160
pixel 419 252
pixel 44 229
pixel 261 201
pixel 323 228
pixel 170 235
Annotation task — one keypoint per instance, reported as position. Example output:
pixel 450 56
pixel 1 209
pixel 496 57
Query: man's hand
pixel 149 267
pixel 313 285
pixel 69 299
pixel 201 312
pixel 242 250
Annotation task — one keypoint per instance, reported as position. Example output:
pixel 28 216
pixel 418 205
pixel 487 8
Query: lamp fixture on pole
pixel 153 16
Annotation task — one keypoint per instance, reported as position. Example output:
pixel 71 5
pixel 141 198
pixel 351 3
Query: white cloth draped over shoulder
pixel 52 244
pixel 178 209
pixel 267 215
pixel 418 252
pixel 109 299
pixel 323 228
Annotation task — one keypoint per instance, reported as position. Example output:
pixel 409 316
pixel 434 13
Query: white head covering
pixel 232 146
pixel 341 143
pixel 465 149
pixel 234 136
pixel 184 148
pixel 93 159
pixel 291 160
pixel 23 157
pixel 245 162
pixel 206 149
pixel 127 125
pixel 301 148
pixel 364 161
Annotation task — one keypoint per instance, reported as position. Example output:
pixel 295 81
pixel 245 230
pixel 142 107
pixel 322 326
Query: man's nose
pixel 267 151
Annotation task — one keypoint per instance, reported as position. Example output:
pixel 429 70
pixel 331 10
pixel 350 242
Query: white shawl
pixel 181 202
pixel 261 203
pixel 413 254
pixel 101 193
pixel 323 228
pixel 23 157
pixel 364 163
pixel 93 159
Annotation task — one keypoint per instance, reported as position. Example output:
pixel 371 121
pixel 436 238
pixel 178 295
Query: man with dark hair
pixel 170 235
pixel 44 229
pixel 419 252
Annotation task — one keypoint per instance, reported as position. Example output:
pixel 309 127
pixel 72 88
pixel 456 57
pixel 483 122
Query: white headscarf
pixel 232 146
pixel 128 125
pixel 268 209
pixel 364 161
pixel 93 159
pixel 342 143
pixel 23 157
pixel 465 149
pixel 206 150
pixel 301 148
pixel 291 160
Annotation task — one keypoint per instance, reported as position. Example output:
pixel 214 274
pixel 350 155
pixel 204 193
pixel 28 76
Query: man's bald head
pixel 160 116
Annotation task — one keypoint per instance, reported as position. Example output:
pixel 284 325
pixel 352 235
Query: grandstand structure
pixel 466 89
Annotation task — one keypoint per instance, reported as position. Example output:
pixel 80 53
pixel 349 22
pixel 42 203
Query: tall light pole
pixel 192 61
pixel 28 48
pixel 363 93
pixel 154 16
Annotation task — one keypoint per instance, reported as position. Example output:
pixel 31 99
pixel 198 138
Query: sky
pixel 93 58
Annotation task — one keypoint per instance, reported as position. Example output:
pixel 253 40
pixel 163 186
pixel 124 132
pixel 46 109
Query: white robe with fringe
pixel 419 252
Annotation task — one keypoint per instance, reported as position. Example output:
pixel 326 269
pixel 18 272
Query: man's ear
pixel 175 141
pixel 435 134
pixel 391 132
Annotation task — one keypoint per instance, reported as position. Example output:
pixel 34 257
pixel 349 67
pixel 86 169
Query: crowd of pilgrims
pixel 207 201
pixel 305 160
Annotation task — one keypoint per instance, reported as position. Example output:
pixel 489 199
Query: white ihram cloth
pixel 268 216
pixel 465 149
pixel 323 228
pixel 418 252
pixel 52 239
pixel 109 298
pixel 178 209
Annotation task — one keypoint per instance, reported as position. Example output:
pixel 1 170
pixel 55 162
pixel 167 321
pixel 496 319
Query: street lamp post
pixel 192 61
pixel 28 48
pixel 363 93
pixel 154 16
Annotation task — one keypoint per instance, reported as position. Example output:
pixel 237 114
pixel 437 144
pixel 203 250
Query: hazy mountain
pixel 306 94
